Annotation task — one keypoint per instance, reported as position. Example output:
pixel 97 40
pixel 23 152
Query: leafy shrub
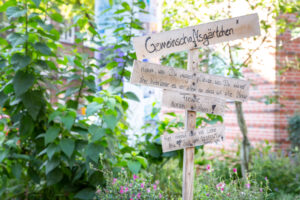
pixel 282 171
pixel 127 187
pixel 294 130
pixel 208 185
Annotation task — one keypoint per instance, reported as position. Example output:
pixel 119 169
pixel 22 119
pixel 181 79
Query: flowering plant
pixel 208 185
pixel 129 187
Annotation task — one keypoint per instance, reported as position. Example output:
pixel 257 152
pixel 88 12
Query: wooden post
pixel 190 124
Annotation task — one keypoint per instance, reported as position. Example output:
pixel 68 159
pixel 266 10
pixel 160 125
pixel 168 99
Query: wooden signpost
pixel 181 80
pixel 189 89
pixel 188 101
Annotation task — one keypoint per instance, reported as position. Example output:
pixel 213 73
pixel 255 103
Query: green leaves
pixel 14 12
pixel 97 132
pixel 68 121
pixel 67 146
pixel 126 6
pixel 86 194
pixel 132 96
pixel 17 38
pixel 42 48
pixel 54 177
pixel 93 150
pixel 22 82
pixel 20 61
pixel 110 121
pixel 51 134
pixel 33 102
pixel 17 170
pixel 57 17
pixel 134 166
pixel 92 108
pixel 52 164
pixel 51 150
pixel 37 2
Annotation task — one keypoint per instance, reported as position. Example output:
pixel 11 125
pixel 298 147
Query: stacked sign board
pixel 192 90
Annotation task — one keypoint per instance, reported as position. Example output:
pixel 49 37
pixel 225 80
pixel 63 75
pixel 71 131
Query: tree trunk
pixel 245 149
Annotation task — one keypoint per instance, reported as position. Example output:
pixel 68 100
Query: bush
pixel 281 170
pixel 208 185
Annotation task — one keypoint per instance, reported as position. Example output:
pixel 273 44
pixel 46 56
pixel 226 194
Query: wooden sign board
pixel 181 80
pixel 180 140
pixel 192 37
pixel 193 102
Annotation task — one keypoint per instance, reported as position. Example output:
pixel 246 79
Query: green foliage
pixel 53 122
pixel 210 186
pixel 294 130
pixel 282 171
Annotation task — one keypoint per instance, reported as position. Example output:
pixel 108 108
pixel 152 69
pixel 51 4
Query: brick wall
pixel 269 122
pixel 287 82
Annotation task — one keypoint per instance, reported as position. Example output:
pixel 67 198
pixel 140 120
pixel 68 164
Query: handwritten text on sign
pixel 196 36
pixel 193 102
pixel 180 140
pixel 181 80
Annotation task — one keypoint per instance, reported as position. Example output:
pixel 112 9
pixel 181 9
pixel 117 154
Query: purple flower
pixel 114 181
pixel 120 64
pixel 138 195
pixel 135 177
pixel 126 189
pixel 248 185
pixel 101 48
pixel 154 187
pixel 119 60
pixel 266 178
pixel 148 190
pixel 98 191
pixel 160 196
pixel 157 182
pixel 234 170
pixel 207 194
pixel 121 54
pixel 260 189
pixel 142 185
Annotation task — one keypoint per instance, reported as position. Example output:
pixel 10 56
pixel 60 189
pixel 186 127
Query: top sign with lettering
pixel 164 43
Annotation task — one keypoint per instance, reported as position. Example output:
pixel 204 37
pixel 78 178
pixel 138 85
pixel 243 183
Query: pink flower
pixel 234 170
pixel 266 178
pixel 248 185
pixel 114 181
pixel 126 189
pixel 131 198
pixel 148 190
pixel 138 195
pixel 157 182
pixel 121 190
pixel 260 189
pixel 130 185
pixel 154 187
pixel 221 186
pixel 142 185
pixel 135 177
pixel 208 167
pixel 98 191
pixel 160 196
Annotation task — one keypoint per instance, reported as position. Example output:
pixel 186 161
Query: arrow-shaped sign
pixel 193 102
pixel 201 136
pixel 192 37
pixel 181 80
